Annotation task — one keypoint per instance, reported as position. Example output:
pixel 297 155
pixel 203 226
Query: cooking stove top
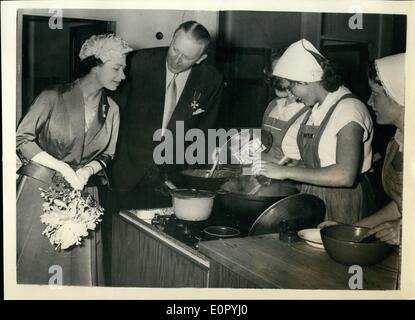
pixel 188 232
pixel 192 232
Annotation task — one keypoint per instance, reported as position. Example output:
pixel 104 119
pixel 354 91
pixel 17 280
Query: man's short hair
pixel 197 31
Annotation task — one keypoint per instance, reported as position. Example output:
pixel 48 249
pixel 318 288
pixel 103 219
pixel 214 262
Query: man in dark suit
pixel 165 88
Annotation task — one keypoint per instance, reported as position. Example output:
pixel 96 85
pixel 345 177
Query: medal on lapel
pixel 195 104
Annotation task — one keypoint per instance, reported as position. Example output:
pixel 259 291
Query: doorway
pixel 49 56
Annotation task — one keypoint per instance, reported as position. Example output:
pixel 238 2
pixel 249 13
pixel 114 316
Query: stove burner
pixel 188 232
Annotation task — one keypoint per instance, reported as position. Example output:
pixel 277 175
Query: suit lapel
pixel 158 74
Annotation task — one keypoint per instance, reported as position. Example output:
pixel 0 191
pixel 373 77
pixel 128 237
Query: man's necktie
pixel 170 101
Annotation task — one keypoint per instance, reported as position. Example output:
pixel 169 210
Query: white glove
pixel 69 174
pixel 84 174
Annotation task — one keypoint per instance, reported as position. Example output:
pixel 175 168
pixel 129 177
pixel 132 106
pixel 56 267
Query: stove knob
pixel 186 230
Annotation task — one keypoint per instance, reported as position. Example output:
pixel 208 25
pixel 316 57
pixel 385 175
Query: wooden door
pixel 49 56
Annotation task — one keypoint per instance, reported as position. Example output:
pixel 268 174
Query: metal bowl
pixel 340 244
pixel 218 232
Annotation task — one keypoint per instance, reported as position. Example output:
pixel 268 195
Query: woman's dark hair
pixel 372 72
pixel 332 76
pixel 332 72
pixel 85 66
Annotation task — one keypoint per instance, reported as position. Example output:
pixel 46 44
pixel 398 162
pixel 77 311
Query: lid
pixel 192 193
pixel 301 211
pixel 204 173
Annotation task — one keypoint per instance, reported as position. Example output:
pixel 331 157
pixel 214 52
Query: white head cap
pixel 298 64
pixel 391 73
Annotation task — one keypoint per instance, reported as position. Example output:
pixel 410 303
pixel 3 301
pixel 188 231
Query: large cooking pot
pixel 191 204
pixel 236 197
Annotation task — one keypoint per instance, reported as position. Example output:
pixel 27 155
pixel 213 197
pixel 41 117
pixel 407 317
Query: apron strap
pixel 291 122
pixel 281 126
pixel 301 135
pixel 273 103
pixel 316 137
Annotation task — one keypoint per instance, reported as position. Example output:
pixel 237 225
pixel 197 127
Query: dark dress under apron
pixel 392 180
pixel 344 205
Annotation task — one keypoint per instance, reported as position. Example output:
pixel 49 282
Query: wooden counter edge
pixel 169 241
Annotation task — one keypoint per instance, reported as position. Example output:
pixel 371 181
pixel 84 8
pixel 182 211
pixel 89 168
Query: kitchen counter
pixel 164 238
pixel 144 256
pixel 266 262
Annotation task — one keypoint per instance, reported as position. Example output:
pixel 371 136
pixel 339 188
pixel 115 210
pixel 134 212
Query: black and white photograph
pixel 204 148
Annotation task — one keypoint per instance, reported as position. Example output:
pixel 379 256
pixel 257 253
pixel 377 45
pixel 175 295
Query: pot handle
pixel 170 185
pixel 167 188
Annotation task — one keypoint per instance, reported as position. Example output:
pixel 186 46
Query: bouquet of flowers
pixel 68 215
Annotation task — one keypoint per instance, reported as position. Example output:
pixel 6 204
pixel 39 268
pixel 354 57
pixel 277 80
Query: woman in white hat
pixel 70 132
pixel 387 81
pixel 281 120
pixel 334 138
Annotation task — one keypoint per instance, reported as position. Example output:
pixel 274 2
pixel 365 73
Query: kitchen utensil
pixel 301 211
pixel 312 237
pixel 225 145
pixel 213 168
pixel 191 204
pixel 218 232
pixel 340 242
pixel 366 238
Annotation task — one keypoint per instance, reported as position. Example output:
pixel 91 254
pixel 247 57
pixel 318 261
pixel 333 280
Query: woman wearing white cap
pixel 334 138
pixel 387 81
pixel 281 119
pixel 70 131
